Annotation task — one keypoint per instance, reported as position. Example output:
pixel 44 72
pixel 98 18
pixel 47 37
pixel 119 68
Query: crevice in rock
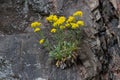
pixel 107 12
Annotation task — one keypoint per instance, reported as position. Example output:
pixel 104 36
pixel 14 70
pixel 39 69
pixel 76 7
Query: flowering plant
pixel 66 33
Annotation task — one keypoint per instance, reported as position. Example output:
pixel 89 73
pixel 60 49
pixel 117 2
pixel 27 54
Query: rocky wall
pixel 22 58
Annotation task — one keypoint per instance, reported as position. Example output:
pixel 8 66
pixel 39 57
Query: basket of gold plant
pixel 66 33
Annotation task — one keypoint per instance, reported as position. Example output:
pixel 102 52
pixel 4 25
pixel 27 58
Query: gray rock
pixel 6 72
pixel 119 21
pixel 119 25
pixel 27 60
pixel 114 2
pixel 44 7
pixel 97 14
pixel 93 4
pixel 40 79
pixel 90 32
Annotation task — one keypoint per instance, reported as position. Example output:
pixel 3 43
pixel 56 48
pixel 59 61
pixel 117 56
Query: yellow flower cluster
pixel 52 18
pixel 60 21
pixel 80 23
pixel 73 22
pixel 36 26
pixel 70 19
pixel 78 13
pixel 77 24
pixel 74 25
pixel 56 21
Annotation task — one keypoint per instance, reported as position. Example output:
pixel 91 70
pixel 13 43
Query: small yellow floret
pixel 70 19
pixel 55 18
pixel 49 18
pixel 41 41
pixel 53 30
pixel 35 24
pixel 74 25
pixel 62 18
pixel 52 18
pixel 60 21
pixel 81 23
pixel 78 13
pixel 36 29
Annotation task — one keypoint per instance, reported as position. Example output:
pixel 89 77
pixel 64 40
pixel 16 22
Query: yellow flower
pixel 55 18
pixel 36 29
pixel 53 30
pixel 55 24
pixel 78 13
pixel 74 25
pixel 52 18
pixel 35 24
pixel 61 20
pixel 41 41
pixel 67 25
pixel 62 27
pixel 81 23
pixel 70 19
pixel 49 18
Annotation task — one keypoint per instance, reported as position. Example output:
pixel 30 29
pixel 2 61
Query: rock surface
pixel 22 58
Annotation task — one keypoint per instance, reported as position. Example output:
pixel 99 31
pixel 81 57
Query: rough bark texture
pixel 22 58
